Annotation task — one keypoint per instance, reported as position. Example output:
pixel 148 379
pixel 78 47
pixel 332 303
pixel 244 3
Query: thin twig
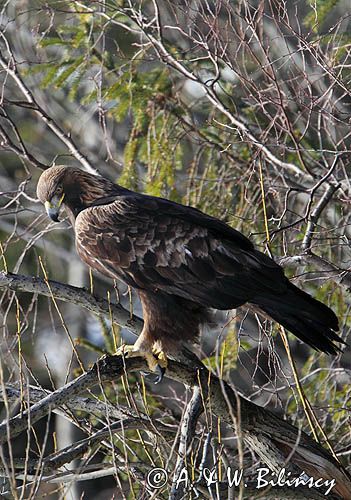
pixel 10 67
pixel 340 276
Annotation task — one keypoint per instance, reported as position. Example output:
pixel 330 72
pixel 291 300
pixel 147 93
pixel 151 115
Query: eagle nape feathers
pixel 181 261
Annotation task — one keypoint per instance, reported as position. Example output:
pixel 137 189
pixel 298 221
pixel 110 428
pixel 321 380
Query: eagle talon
pixel 159 371
pixel 156 361
pixel 123 350
pixel 161 363
pixel 161 357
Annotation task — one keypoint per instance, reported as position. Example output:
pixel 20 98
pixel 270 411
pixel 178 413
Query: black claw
pixel 160 373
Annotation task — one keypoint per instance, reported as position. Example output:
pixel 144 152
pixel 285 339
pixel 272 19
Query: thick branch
pixel 187 431
pixel 78 449
pixel 73 295
pixel 264 432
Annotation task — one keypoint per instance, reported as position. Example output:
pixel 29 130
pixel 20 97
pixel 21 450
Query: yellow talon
pixel 162 363
pixel 156 359
pixel 126 350
pixel 161 357
pixel 129 351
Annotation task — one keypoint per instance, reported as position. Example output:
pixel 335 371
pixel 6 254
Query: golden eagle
pixel 181 261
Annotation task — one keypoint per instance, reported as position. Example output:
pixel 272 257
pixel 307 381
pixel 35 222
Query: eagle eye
pixel 59 190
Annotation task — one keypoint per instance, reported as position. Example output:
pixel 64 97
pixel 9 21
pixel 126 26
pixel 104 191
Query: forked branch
pixel 277 443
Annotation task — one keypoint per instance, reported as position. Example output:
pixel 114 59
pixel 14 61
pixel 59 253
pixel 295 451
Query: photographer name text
pixel 158 477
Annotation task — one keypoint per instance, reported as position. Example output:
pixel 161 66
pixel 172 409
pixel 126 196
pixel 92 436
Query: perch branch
pixel 264 432
pixel 73 295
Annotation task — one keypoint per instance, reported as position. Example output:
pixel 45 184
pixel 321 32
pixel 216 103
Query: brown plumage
pixel 181 261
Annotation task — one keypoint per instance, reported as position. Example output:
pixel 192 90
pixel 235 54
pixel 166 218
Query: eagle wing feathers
pixel 157 245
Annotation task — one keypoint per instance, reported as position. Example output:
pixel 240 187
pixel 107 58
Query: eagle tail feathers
pixel 307 318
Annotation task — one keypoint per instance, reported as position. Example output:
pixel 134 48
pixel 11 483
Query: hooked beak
pixel 53 206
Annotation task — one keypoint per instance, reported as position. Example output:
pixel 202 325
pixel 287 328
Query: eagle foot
pixel 162 363
pixel 156 359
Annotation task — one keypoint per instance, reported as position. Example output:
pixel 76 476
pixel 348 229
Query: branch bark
pixel 73 295
pixel 187 432
pixel 264 432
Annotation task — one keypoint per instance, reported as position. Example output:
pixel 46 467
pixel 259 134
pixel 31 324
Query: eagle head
pixel 72 188
pixel 50 190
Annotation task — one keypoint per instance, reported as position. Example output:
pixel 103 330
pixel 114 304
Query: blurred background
pixel 241 109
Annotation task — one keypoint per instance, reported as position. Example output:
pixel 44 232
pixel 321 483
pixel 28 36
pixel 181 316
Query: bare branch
pixel 325 268
pixel 263 431
pixel 10 66
pixel 73 295
pixel 193 410
pixel 81 404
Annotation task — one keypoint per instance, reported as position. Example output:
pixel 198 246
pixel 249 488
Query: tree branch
pixel 264 432
pixel 10 66
pixel 340 276
pixel 73 295
pixel 315 214
pixel 94 407
pixel 7 144
pixel 187 431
